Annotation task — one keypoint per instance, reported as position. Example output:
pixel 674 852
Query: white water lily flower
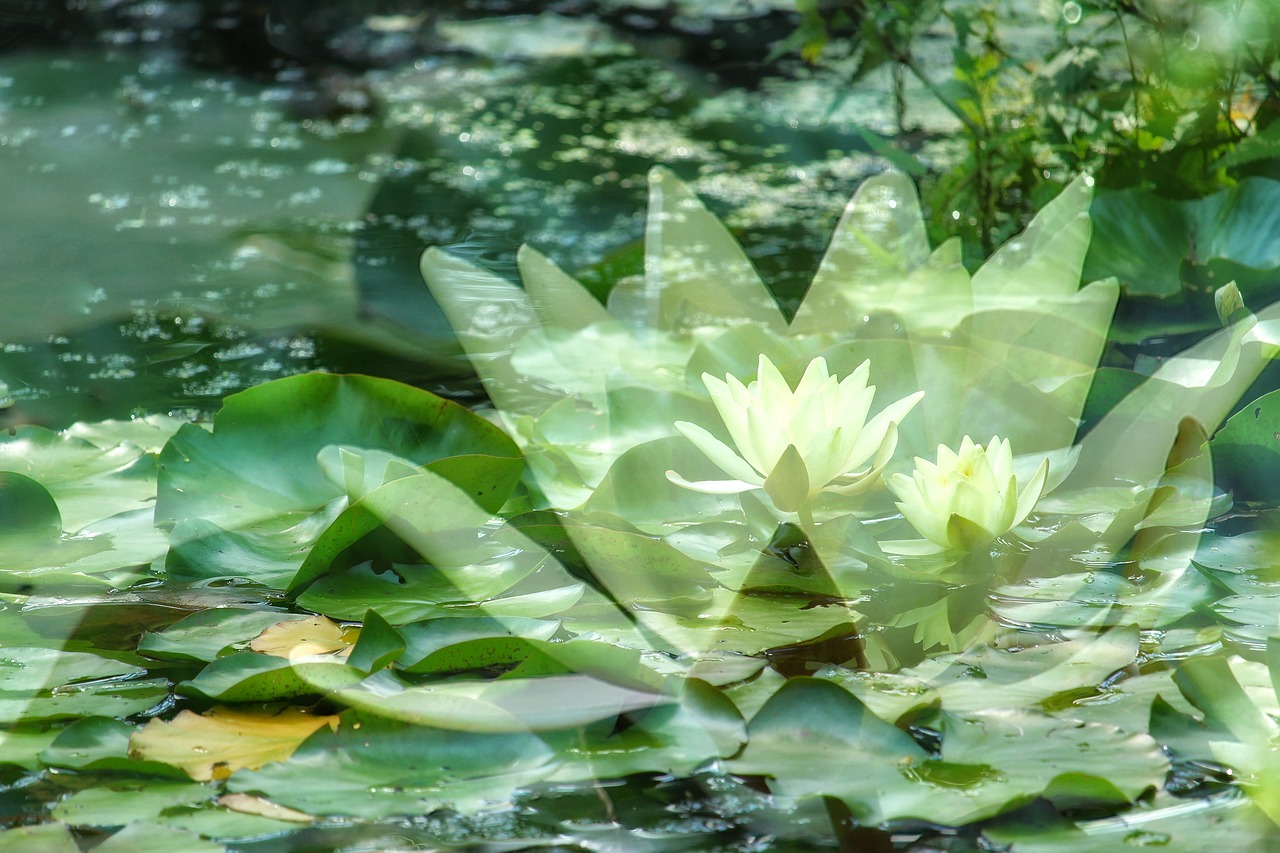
pixel 967 499
pixel 797 444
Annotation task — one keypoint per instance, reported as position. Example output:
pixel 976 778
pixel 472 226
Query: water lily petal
pixel 1031 493
pixel 788 484
pixel 712 487
pixel 728 403
pixel 771 390
pixel 875 429
pixel 911 547
pixel 719 453
pixel 858 483
pixel 968 535
pixel 814 380
pixel 766 439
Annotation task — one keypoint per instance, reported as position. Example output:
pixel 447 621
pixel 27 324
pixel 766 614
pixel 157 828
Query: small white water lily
pixel 796 444
pixel 967 499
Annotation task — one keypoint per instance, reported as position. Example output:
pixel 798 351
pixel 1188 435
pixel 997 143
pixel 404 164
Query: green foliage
pixel 1141 96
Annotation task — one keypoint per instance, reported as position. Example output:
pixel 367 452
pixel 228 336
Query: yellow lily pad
pixel 216 744
pixel 316 635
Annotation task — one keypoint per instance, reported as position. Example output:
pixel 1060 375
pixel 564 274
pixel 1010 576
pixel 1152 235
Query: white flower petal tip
pixel 967 499
pixel 711 487
pixel 796 444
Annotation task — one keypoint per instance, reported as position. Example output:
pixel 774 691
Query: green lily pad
pixel 201 550
pixel 1143 239
pixel 1168 825
pixel 1076 765
pixel 89 481
pixel 112 697
pixel 809 725
pixel 226 825
pixel 805 738
pixel 21 747
pixel 374 768
pixel 208 634
pixel 409 593
pixel 255 466
pixel 637 489
pixel 634 567
pixel 426 637
pixel 1247 560
pixel 101 743
pixel 1102 599
pixel 27 508
pixel 250 677
pixel 128 801
pixel 512 704
pixel 378 645
pixel 151 838
pixel 986 677
pixel 40 838
pixel 28 670
pixel 1246 451
pixel 676 738
pixel 424 517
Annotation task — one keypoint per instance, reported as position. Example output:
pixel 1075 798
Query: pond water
pixel 175 234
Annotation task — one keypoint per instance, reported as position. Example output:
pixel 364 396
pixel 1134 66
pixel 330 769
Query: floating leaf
pixel 151 838
pixel 220 741
pixel 378 645
pixel 102 744
pixel 423 638
pixel 249 677
pixel 246 804
pixel 40 838
pixel 809 725
pixel 428 519
pixel 27 508
pixel 374 768
pixel 112 697
pixel 128 801
pixel 200 550
pixel 676 738
pixel 253 466
pixel 511 704
pixel 1246 451
pixel 207 634
pixel 411 593
pixel 301 638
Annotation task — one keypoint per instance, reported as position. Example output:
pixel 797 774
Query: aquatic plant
pixel 967 498
pixel 797 444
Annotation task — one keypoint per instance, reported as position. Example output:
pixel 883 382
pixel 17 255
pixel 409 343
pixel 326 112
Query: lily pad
pixel 1102 599
pixel 373 768
pixel 101 744
pixel 40 838
pixel 253 466
pixel 424 638
pixel 128 801
pixel 151 838
pixel 425 516
pixel 676 738
pixel 220 741
pixel 250 677
pixel 208 634
pixel 1246 451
